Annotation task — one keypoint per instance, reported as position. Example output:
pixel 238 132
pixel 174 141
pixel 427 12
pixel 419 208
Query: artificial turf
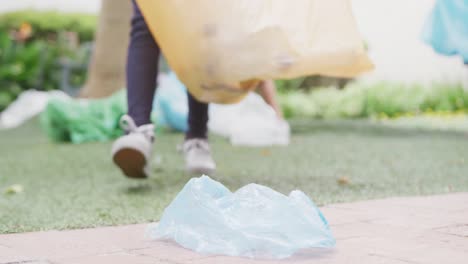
pixel 75 186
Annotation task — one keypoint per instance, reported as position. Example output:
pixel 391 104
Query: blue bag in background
pixel 171 103
pixel 446 29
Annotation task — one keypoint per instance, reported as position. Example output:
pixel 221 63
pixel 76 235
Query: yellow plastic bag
pixel 221 48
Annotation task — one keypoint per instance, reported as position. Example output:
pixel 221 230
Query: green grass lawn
pixel 76 186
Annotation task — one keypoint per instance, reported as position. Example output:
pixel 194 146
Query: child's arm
pixel 267 89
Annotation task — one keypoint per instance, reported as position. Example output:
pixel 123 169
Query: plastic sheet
pixel 255 221
pixel 446 29
pixel 27 105
pixel 250 122
pixel 220 49
pixel 171 103
pixel 83 120
pixel 80 121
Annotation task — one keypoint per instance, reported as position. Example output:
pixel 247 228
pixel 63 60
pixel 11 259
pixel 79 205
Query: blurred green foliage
pixel 384 99
pixel 33 47
pixel 47 24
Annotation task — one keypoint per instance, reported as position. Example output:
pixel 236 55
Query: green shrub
pixel 33 43
pixel 19 68
pixel 47 23
pixel 28 65
pixel 369 100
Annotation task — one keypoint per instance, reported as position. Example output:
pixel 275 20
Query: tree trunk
pixel 106 73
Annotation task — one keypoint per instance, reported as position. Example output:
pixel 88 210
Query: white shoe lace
pixel 198 156
pixel 198 144
pixel 128 125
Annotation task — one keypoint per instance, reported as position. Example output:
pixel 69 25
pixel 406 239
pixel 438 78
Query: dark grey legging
pixel 142 72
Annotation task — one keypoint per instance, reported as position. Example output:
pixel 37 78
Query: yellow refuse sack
pixel 220 49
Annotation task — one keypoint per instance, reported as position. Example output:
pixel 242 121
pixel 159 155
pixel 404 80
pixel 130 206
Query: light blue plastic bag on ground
pixel 446 29
pixel 255 221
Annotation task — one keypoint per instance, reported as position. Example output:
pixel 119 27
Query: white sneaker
pixel 132 152
pixel 198 158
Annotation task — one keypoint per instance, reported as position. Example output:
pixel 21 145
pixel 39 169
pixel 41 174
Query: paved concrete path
pixel 400 230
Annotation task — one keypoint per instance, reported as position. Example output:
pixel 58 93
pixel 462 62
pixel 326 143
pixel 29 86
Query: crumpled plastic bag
pixel 83 120
pixel 446 29
pixel 220 49
pixel 66 119
pixel 255 221
pixel 251 122
pixel 28 104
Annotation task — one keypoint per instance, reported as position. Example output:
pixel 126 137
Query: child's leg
pixel 142 69
pixel 197 119
pixel 197 152
pixel 132 152
pixel 267 90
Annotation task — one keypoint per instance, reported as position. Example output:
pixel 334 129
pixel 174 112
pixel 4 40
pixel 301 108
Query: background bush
pixel 384 99
pixel 32 45
pixel 47 24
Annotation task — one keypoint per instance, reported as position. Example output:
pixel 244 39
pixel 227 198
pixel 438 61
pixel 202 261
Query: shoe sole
pixel 131 162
